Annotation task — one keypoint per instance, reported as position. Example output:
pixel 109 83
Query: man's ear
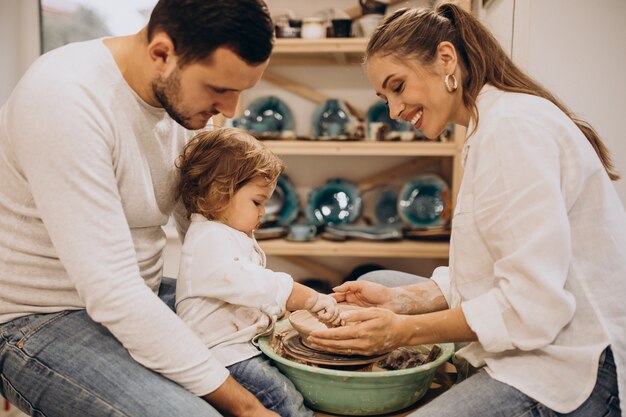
pixel 162 53
pixel 446 57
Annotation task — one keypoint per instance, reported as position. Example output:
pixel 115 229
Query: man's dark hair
pixel 198 27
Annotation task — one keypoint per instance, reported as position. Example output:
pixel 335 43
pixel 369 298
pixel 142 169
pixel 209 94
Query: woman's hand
pixel 369 331
pixel 365 294
pixel 420 298
pixel 366 332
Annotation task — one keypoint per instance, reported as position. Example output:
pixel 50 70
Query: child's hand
pixel 327 310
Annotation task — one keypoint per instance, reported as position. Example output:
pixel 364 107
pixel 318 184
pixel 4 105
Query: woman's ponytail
pixel 416 34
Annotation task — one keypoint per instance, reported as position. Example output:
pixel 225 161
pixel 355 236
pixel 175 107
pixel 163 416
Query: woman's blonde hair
pixel 416 34
pixel 215 164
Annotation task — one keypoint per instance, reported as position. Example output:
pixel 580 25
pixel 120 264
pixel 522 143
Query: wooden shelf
pixel 316 46
pixel 318 51
pixel 320 247
pixel 334 51
pixel 360 148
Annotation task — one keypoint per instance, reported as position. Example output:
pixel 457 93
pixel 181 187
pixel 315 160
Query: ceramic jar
pixel 313 28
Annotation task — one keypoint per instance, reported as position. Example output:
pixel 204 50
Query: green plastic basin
pixel 357 393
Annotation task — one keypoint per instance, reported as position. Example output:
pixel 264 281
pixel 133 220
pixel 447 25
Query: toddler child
pixel 224 291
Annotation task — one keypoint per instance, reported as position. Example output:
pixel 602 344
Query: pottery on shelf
pixel 380 126
pixel 385 207
pixel 283 205
pixel 332 120
pixel 376 232
pixel 373 7
pixel 272 232
pixel 425 202
pixel 338 201
pixel 302 232
pixel 267 117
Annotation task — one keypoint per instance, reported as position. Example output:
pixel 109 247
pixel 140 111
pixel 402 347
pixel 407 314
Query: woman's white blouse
pixel 538 252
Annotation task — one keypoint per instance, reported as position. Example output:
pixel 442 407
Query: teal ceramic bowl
pixel 425 202
pixel 337 201
pixel 286 209
pixel 357 393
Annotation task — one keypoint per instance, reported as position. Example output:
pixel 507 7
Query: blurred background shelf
pixel 320 247
pixel 286 46
pixel 361 148
pixel 318 51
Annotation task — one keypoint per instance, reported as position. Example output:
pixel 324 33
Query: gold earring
pixel 451 88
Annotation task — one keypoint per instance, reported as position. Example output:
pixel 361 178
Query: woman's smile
pixel 416 119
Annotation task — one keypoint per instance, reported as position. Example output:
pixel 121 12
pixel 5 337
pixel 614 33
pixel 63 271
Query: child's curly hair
pixel 215 164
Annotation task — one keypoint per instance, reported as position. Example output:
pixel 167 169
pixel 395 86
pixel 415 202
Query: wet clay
pixel 288 344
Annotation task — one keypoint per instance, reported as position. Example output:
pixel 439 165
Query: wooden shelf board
pixel 316 46
pixel 360 148
pixel 320 247
pixel 329 51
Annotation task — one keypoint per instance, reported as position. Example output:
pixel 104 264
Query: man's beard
pixel 167 92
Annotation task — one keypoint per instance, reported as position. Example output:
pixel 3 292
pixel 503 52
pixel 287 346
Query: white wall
pixel 576 48
pixel 19 41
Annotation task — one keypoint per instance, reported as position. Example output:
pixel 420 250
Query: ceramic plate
pixel 385 207
pixel 424 202
pixel 378 232
pixel 338 201
pixel 282 207
pixel 436 233
pixel 270 232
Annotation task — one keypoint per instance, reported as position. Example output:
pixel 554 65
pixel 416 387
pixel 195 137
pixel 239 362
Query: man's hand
pixel 233 400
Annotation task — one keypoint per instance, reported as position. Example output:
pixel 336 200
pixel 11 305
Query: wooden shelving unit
pixel 318 51
pixel 284 46
pixel 320 247
pixel 360 148
pixel 349 51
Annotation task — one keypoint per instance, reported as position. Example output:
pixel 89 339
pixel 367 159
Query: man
pixel 88 143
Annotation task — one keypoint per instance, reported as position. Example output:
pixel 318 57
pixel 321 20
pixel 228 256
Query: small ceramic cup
pixel 302 231
pixel 377 131
pixel 342 28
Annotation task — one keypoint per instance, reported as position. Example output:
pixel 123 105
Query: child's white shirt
pixel 224 291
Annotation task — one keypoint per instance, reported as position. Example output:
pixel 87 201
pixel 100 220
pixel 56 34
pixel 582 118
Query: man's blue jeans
pixel 65 365
pixel 275 391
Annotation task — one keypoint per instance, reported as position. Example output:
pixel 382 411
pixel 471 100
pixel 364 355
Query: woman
pixel 538 250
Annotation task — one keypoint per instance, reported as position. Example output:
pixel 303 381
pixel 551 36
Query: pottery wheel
pixel 293 346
